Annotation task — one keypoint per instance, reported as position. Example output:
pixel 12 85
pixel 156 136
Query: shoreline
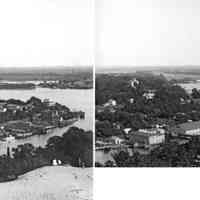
pixel 15 85
pixel 46 133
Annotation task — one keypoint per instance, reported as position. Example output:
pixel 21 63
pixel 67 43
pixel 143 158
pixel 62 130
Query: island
pixel 64 84
pixel 19 119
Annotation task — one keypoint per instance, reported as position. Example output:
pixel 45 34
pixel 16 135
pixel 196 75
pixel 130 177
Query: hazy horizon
pixel 127 69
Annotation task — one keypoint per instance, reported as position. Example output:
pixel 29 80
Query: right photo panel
pixel 147 95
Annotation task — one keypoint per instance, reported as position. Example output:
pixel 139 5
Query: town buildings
pixel 117 140
pixel 111 102
pixel 189 128
pixel 149 94
pixel 147 137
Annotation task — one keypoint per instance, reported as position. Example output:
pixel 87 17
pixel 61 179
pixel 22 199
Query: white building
pixel 131 100
pixel 111 102
pixel 189 128
pixel 148 137
pixel 149 95
pixel 117 140
pixel 127 130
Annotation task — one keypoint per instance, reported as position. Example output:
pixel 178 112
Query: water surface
pixel 75 99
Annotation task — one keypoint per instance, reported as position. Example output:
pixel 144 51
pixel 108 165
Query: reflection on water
pixel 74 99
pixel 102 156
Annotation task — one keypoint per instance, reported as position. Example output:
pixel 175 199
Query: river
pixel 102 156
pixel 75 99
pixel 189 86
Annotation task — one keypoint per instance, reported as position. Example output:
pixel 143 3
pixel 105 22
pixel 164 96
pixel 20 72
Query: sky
pixel 147 32
pixel 46 32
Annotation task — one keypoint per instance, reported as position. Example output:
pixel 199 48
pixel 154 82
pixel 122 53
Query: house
pixel 147 137
pixel 99 109
pixel 188 128
pixel 127 130
pixel 13 107
pixel 131 100
pixel 100 143
pixel 116 140
pixel 111 102
pixel 2 110
pixel 149 94
pixel 23 134
pixel 49 103
pixel 117 125
pixel 46 102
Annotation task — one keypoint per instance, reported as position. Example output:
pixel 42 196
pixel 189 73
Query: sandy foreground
pixel 50 183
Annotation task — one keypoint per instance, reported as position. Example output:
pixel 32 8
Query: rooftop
pixel 190 125
pixel 149 132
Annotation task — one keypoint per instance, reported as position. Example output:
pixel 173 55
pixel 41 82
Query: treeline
pixel 167 155
pixel 171 104
pixel 23 86
pixel 33 106
pixel 75 148
pixel 118 87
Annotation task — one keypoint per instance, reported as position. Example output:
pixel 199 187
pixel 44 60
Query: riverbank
pixel 22 119
pixel 74 147
pixel 40 184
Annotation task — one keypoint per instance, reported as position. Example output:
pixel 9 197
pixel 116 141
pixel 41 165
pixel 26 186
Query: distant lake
pixel 75 99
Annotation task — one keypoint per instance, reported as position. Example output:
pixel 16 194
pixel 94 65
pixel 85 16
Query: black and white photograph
pixel 147 84
pixel 46 100
pixel 99 99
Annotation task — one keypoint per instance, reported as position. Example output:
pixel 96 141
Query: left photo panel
pixel 46 100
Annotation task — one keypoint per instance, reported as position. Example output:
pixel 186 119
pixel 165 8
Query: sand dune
pixel 50 183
